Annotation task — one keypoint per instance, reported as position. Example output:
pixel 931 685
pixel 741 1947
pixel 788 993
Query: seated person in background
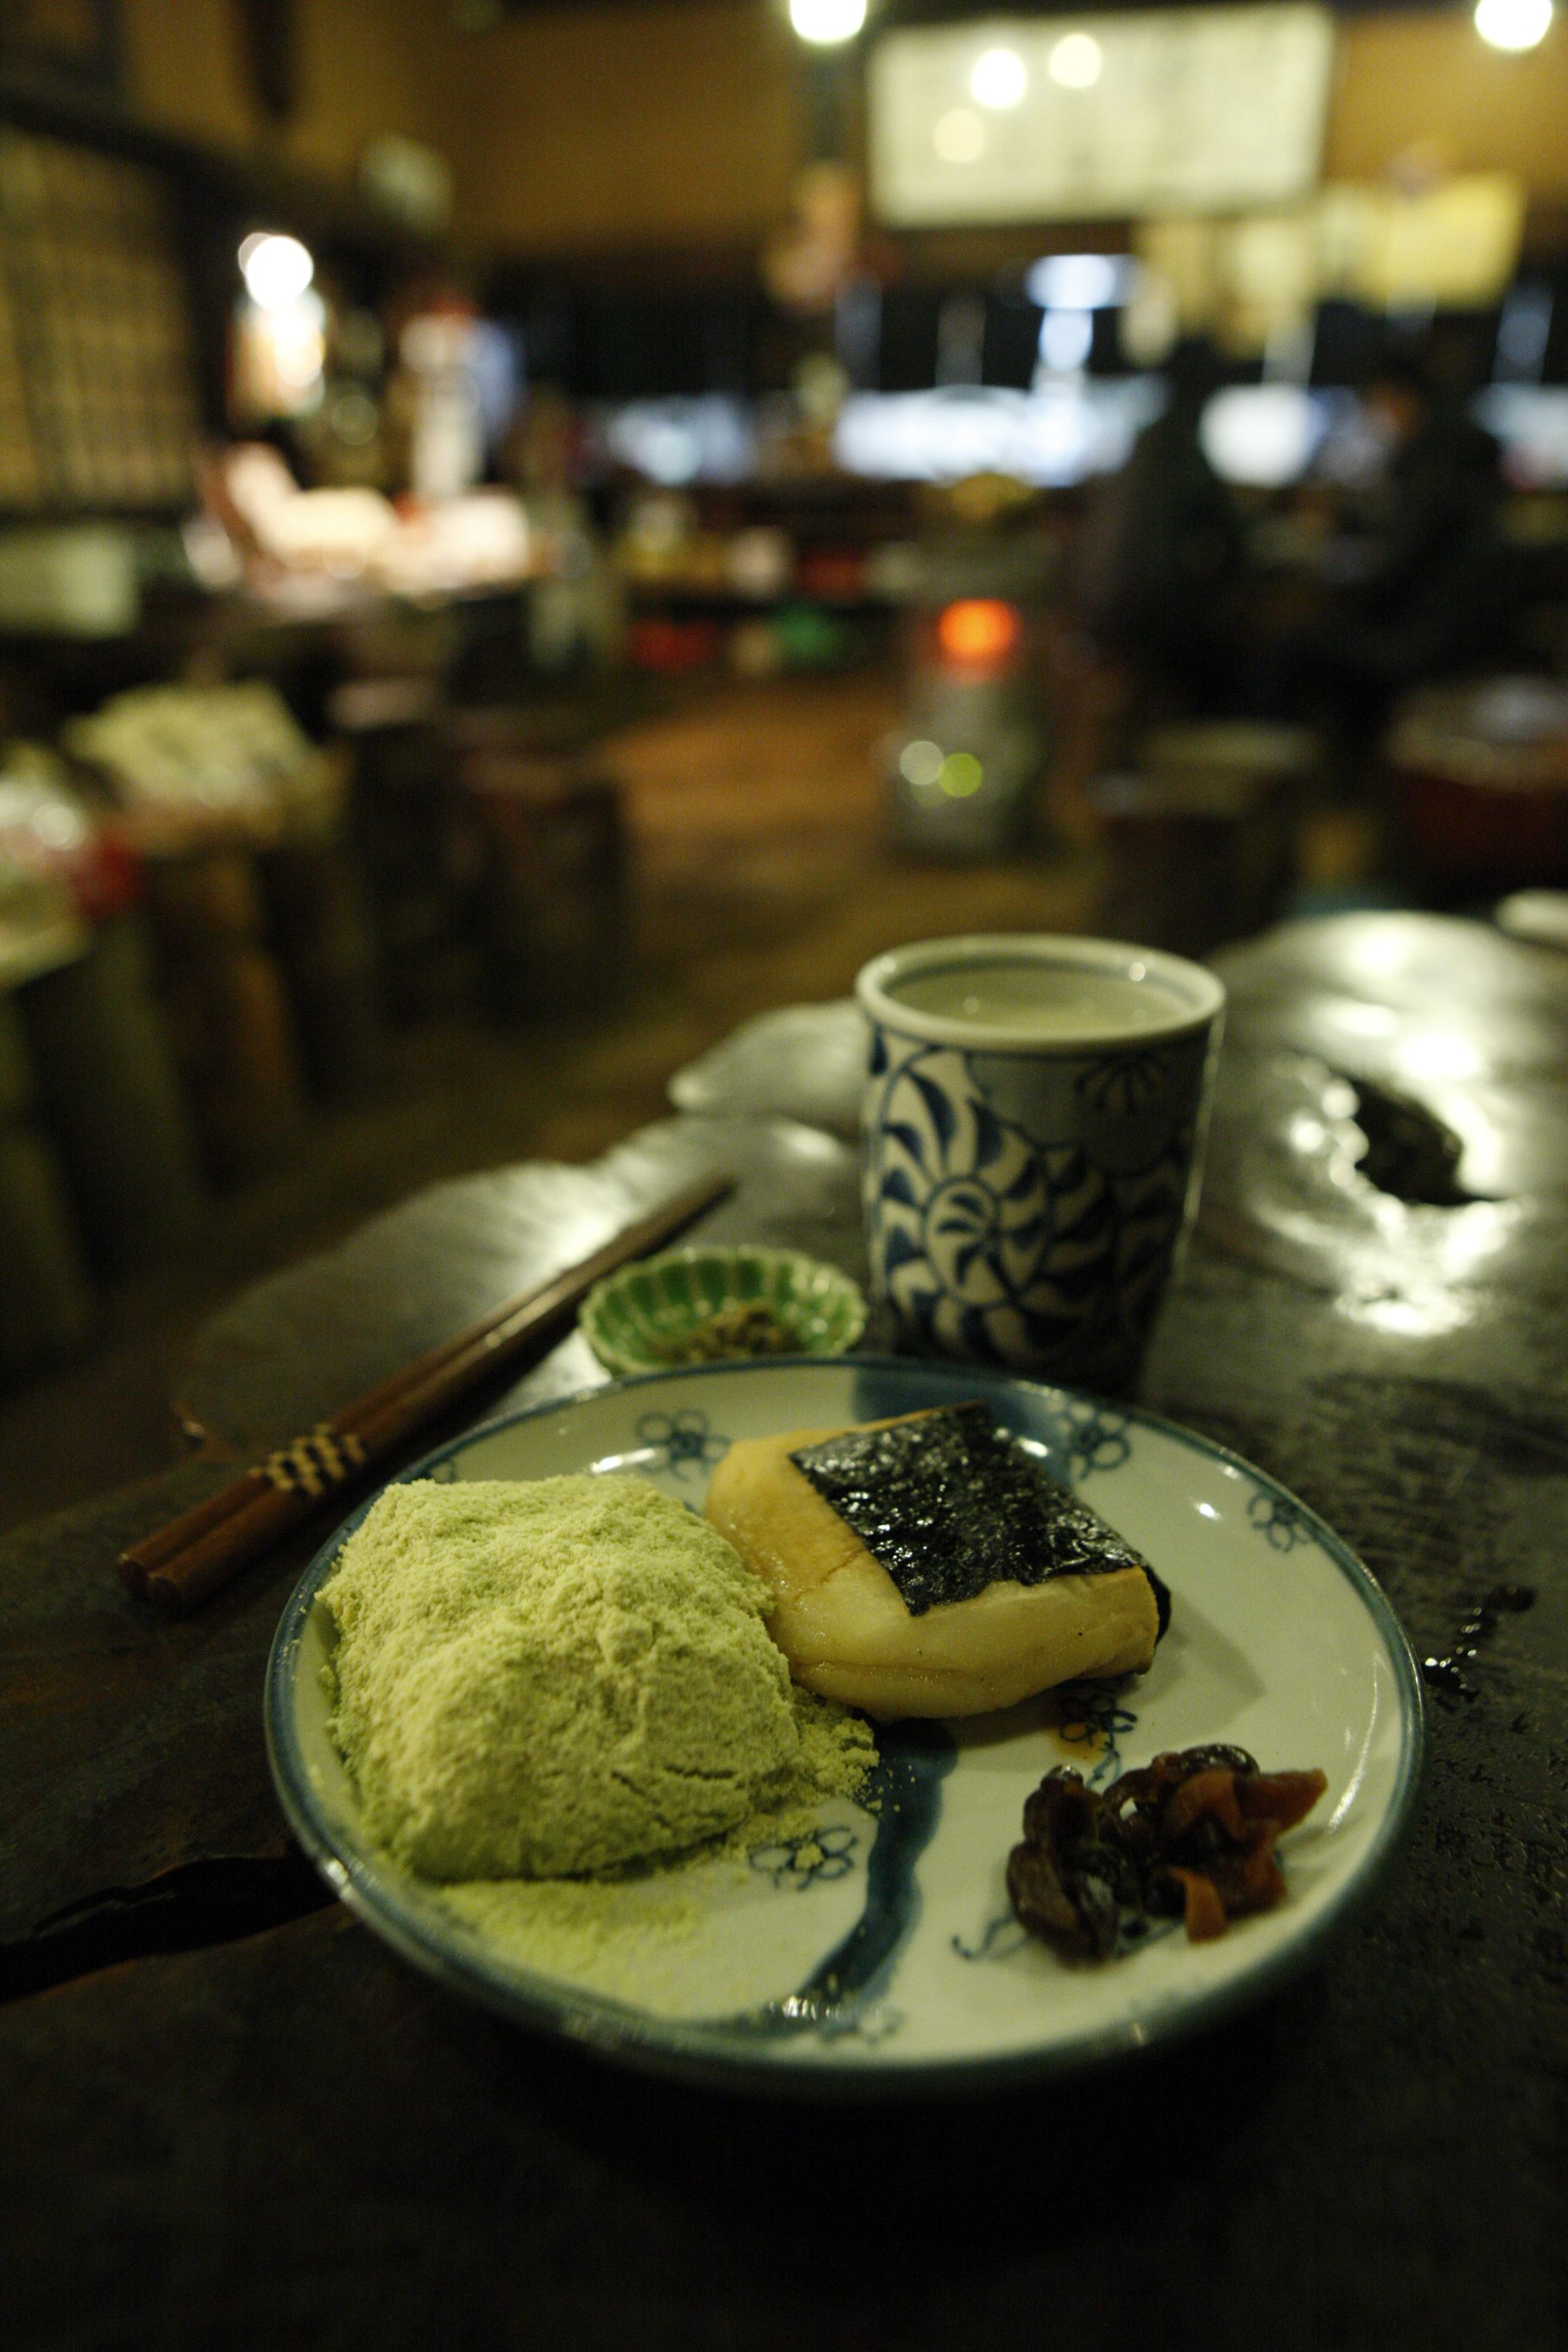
pixel 1433 599
pixel 1163 557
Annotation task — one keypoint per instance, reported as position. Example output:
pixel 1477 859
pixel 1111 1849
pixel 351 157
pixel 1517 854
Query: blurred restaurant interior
pixel 538 542
pixel 533 532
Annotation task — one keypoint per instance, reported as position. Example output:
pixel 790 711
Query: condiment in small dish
pixel 698 1305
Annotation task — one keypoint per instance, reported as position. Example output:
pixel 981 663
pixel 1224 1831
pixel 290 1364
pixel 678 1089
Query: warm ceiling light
pixel 998 80
pixel 1075 60
pixel 959 136
pixel 1513 23
pixel 979 633
pixel 825 23
pixel 276 270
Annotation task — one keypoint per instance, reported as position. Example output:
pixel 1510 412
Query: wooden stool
pixel 406 842
pixel 1478 776
pixel 1192 866
pixel 316 927
pixel 48 1304
pixel 227 1010
pixel 553 893
pixel 108 1090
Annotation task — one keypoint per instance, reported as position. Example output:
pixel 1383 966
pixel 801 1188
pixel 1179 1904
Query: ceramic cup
pixel 1034 1123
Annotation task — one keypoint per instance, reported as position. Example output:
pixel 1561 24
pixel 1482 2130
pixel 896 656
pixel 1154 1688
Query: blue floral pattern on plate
pixel 1095 1716
pixel 1283 1522
pixel 681 1442
pixel 815 1859
pixel 1090 1436
pixel 864 1980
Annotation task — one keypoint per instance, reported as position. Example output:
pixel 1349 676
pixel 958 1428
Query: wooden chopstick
pixel 177 1566
pixel 179 1534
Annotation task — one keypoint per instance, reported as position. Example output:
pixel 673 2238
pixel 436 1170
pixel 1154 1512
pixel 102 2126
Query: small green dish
pixel 648 1316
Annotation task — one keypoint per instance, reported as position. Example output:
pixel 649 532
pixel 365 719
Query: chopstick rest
pixel 180 1564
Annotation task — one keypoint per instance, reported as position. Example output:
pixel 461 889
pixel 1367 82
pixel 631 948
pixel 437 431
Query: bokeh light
pixel 959 136
pixel 961 775
pixel 1513 23
pixel 276 270
pixel 1075 60
pixel 1067 338
pixel 998 80
pixel 979 631
pixel 825 23
pixel 920 764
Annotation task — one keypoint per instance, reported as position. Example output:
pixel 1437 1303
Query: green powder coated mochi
pixel 551 1676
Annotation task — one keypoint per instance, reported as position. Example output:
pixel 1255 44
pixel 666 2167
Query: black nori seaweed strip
pixel 949 1504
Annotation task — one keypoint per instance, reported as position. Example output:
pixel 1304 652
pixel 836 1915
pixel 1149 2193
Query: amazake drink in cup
pixel 1033 1125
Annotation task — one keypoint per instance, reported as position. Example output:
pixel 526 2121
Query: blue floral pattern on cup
pixel 1022 1211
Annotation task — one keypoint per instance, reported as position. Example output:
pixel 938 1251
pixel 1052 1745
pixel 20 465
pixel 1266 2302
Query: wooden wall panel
pixel 588 127
pixel 1429 82
pixel 612 125
pixel 364 66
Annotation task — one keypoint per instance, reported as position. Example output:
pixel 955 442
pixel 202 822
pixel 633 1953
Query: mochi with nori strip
pixel 926 1565
pixel 907 1488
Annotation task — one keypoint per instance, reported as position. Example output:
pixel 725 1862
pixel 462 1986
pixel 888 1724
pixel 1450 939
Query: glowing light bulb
pixel 998 80
pixel 1513 23
pixel 276 270
pixel 825 23
pixel 1077 58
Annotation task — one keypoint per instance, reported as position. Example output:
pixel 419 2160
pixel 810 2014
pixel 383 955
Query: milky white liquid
pixel 1027 1000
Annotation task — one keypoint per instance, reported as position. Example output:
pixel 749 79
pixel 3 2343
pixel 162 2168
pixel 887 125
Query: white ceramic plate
pixel 883 1955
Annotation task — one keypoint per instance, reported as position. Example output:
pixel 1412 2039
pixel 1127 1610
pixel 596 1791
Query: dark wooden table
pixel 233 2117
